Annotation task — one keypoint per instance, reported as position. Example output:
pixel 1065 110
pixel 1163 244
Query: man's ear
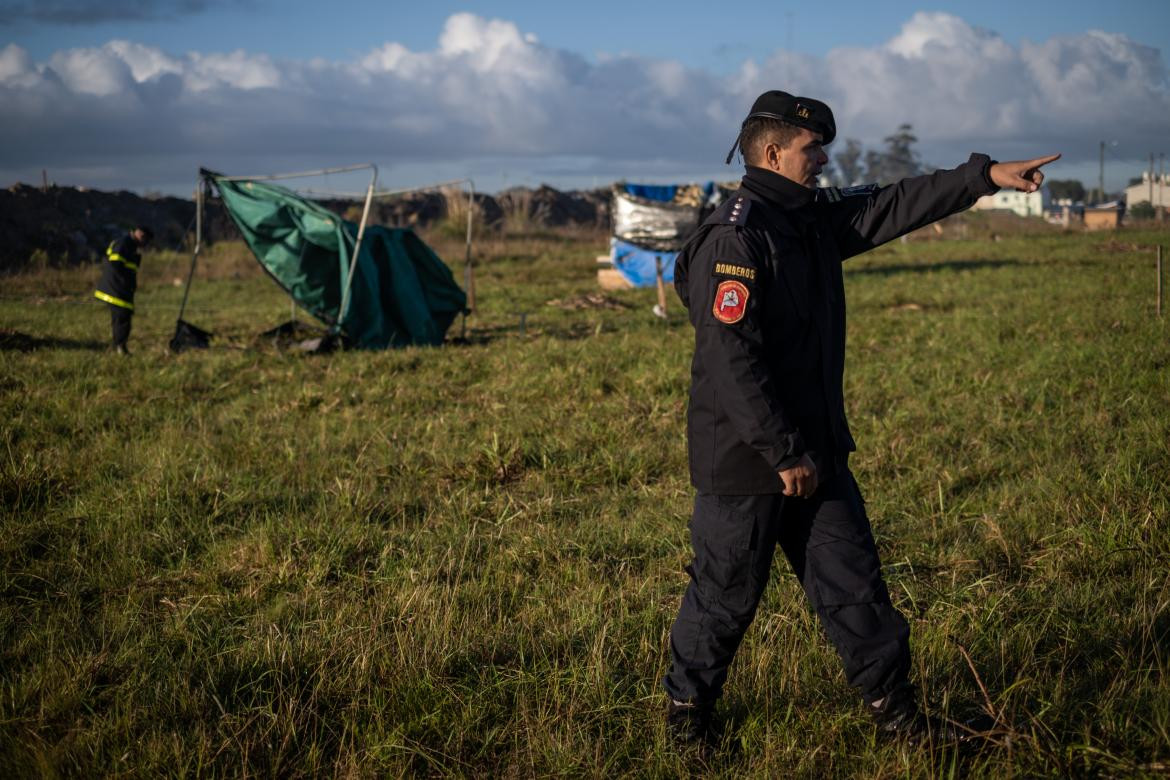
pixel 771 156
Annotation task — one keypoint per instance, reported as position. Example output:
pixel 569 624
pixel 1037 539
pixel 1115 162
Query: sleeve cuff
pixel 790 455
pixel 978 176
pixel 787 463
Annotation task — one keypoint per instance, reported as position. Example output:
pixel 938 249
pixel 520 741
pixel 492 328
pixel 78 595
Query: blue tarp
pixel 663 193
pixel 660 192
pixel 637 264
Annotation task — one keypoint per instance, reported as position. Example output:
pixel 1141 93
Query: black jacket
pixel 120 273
pixel 762 281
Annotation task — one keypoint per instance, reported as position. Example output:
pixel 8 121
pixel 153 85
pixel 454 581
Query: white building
pixel 1137 193
pixel 1026 204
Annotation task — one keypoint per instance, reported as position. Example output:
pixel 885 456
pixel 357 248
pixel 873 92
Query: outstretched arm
pixel 863 223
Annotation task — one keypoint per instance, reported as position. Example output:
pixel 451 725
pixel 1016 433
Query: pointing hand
pixel 1022 175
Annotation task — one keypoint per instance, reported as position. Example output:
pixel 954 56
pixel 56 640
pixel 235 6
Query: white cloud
pixel 488 90
pixel 237 70
pixel 145 62
pixel 15 64
pixel 943 35
pixel 93 71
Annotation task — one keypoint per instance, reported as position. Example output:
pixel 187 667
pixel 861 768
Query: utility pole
pixel 1151 178
pixel 1162 187
pixel 1101 190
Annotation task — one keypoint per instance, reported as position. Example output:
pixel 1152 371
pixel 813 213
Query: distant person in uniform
pixel 119 280
pixel 767 437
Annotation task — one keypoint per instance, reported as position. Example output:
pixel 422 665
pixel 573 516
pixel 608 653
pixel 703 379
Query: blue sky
pixel 574 94
pixel 696 33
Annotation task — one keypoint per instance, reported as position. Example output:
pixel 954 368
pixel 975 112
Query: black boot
pixel 691 723
pixel 900 717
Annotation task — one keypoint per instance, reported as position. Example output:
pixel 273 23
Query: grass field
pixel 463 561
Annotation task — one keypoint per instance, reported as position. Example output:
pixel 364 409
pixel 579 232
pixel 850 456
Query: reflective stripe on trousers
pixel 102 296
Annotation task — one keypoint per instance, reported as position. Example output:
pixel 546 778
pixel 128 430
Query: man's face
pixel 140 238
pixel 800 161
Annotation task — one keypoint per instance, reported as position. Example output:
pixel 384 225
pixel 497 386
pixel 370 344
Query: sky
pixel 138 94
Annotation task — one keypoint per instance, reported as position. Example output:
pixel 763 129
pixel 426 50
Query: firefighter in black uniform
pixel 119 280
pixel 767 438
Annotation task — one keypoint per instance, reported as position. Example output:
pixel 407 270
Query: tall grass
pixel 465 560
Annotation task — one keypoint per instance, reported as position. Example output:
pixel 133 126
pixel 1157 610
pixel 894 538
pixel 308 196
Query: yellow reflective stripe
pixel 101 296
pixel 117 258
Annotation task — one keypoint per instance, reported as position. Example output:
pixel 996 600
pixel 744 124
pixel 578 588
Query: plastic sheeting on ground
pixel 637 265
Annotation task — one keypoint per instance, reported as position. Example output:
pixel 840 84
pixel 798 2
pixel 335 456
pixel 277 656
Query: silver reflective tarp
pixel 653 224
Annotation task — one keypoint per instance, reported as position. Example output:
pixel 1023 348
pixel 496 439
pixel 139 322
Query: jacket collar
pixel 788 202
pixel 779 192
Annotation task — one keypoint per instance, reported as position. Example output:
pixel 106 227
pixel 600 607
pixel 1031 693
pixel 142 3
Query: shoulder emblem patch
pixel 731 299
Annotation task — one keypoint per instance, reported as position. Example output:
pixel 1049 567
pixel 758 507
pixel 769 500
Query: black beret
pixel 805 112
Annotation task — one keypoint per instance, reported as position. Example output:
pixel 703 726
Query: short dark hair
pixel 760 131
pixel 146 231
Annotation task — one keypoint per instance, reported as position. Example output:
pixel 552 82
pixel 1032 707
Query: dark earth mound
pixel 67 226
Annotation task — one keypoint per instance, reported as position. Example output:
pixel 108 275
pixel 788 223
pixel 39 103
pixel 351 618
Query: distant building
pixel 1156 192
pixel 1026 204
pixel 1107 216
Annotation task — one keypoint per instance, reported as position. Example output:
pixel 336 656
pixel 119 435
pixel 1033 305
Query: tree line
pixel 856 165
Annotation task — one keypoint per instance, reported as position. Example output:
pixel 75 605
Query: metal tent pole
pixel 425 188
pixel 345 295
pixel 301 174
pixel 468 273
pixel 198 245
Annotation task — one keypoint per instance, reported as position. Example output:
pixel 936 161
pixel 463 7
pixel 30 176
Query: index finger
pixel 1039 161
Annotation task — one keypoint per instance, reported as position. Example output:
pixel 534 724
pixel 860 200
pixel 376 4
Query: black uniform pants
pixel 829 545
pixel 120 319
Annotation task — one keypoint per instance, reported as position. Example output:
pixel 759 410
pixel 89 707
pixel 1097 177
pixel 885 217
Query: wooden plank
pixel 612 279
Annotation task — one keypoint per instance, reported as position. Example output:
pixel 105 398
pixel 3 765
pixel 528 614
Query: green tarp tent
pixel 401 292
